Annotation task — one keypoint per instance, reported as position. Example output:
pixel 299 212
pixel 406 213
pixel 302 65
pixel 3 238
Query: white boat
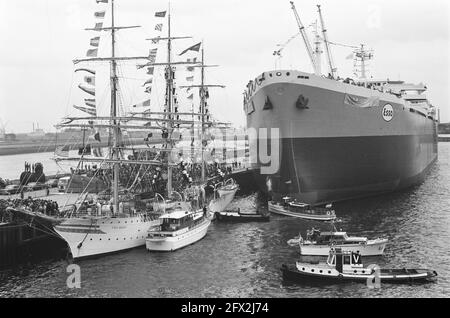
pixel 96 235
pixel 178 229
pixel 224 194
pixel 301 210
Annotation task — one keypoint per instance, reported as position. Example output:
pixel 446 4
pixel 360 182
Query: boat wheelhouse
pixel 319 243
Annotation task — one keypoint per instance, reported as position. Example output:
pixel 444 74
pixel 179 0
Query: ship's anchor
pixel 302 102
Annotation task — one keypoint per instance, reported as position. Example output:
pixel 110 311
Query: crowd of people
pixel 47 207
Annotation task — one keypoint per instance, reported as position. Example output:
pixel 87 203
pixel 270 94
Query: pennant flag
pixel 190 68
pixel 158 27
pixel 349 57
pixel 150 81
pixel 143 104
pixel 62 151
pixel 150 70
pixel 140 66
pixel 95 41
pixel 148 90
pixel 89 104
pixel 153 52
pixel 188 89
pixel 195 48
pixel 98 26
pixel 87 90
pixel 97 136
pixel 90 111
pixel 90 80
pixel 85 70
pixel 92 53
pixel 191 96
pixel 156 40
pixel 194 60
pixel 89 100
pixel 160 14
pixel 100 14
pixel 152 59
pixel 103 1
pixel 190 78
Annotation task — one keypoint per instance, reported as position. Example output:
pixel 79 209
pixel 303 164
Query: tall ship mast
pixel 104 223
pixel 340 138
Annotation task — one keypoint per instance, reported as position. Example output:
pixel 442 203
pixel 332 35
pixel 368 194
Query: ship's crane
pixel 333 70
pixel 306 40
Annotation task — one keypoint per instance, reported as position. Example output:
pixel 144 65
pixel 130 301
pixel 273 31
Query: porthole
pixel 109 239
pixel 287 74
pixel 279 74
pixel 303 268
pixel 117 239
pixel 363 272
pixel 329 272
pixel 270 74
pixel 320 271
pixel 91 239
pixel 355 271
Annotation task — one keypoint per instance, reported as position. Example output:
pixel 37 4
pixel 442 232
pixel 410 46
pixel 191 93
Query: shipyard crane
pixel 306 40
pixel 333 70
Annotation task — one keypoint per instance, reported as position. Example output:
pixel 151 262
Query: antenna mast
pixel 333 70
pixel 116 129
pixel 362 55
pixel 305 39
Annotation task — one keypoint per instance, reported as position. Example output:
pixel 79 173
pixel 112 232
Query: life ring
pixel 328 212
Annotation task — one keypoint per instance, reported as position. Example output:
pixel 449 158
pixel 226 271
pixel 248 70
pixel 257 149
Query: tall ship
pixel 339 138
pixel 119 218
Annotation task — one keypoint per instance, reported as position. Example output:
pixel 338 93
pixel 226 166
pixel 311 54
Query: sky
pixel 410 39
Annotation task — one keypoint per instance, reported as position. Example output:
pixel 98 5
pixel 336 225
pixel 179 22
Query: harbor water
pixel 244 260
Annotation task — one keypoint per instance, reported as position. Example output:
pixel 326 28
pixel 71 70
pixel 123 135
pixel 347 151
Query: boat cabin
pixel 177 221
pixel 339 238
pixel 345 261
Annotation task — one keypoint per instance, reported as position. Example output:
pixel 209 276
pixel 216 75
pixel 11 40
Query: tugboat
pixel 292 208
pixel 343 266
pixel 319 243
pixel 238 216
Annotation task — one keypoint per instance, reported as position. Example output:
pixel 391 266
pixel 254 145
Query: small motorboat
pixel 292 208
pixel 319 243
pixel 238 216
pixel 343 266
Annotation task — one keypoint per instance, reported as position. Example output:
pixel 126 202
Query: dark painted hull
pixel 332 150
pixel 322 170
pixel 242 218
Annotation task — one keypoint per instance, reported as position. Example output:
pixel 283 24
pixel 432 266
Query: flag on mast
pixel 100 14
pixel 95 41
pixel 85 70
pixel 90 80
pixel 103 1
pixel 98 26
pixel 195 48
pixel 87 90
pixel 88 110
pixel 150 70
pixel 92 53
pixel 62 151
pixel 158 27
pixel 156 40
pixel 148 90
pixel 143 104
pixel 149 81
pixel 161 14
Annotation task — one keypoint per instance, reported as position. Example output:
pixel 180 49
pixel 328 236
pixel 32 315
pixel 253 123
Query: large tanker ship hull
pixel 333 148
